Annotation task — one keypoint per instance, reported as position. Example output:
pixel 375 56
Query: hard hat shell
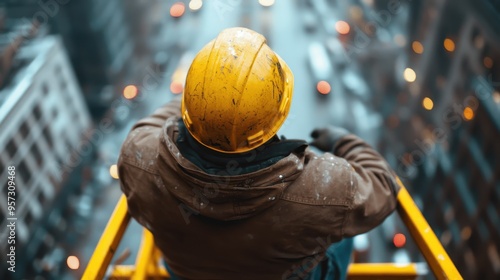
pixel 238 92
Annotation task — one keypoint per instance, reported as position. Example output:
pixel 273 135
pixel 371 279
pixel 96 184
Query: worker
pixel 226 198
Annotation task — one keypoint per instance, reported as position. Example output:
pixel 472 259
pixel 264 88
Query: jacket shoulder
pixel 325 180
pixel 141 148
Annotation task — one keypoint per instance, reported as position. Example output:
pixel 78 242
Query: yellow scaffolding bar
pixel 148 259
pixel 428 243
pixel 358 271
pixel 109 241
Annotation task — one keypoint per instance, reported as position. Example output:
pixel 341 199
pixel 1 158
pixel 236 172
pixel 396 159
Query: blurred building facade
pixel 433 73
pixel 43 119
pixel 66 86
pixel 107 41
pixel 444 128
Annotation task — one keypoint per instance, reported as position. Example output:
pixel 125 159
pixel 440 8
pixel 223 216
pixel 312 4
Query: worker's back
pixel 211 223
pixel 224 197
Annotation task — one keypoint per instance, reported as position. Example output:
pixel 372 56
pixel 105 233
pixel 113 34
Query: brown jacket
pixel 273 223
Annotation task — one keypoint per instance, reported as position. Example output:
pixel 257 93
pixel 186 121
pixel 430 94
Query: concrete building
pixel 108 42
pixel 43 120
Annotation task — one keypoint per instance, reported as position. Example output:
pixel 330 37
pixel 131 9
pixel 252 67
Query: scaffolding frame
pixel 148 263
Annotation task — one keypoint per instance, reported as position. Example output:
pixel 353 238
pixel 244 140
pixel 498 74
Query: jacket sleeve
pixel 134 164
pixel 374 188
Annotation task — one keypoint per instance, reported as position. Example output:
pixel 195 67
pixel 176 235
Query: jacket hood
pixel 225 195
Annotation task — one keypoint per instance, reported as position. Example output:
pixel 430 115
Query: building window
pixel 490 156
pixel 41 198
pixel 11 148
pixel 55 112
pixel 24 172
pixel 69 146
pixel 55 181
pixel 2 166
pixel 2 217
pixel 35 151
pixel 24 130
pixel 28 219
pixel 4 191
pixel 48 137
pixel 37 112
pixel 45 89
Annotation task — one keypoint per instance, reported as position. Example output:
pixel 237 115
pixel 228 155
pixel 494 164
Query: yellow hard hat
pixel 238 92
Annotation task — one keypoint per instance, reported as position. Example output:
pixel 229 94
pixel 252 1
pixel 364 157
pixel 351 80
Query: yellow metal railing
pixel 385 271
pixel 427 242
pixel 109 241
pixel 148 261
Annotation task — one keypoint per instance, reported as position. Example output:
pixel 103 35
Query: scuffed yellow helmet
pixel 238 92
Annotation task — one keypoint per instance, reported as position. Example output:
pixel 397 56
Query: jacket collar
pixel 213 162
pixel 229 194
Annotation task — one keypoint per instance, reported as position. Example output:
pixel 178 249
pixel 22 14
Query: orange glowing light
pixel 449 45
pixel 468 113
pixel 176 87
pixel 417 47
pixel 73 262
pixel 488 62
pixel 130 92
pixel 399 240
pixel 177 9
pixel 342 27
pixel 428 103
pixel 323 87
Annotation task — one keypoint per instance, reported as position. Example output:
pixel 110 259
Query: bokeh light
pixel 356 13
pixel 427 103
pixel 266 3
pixel 73 262
pixel 400 40
pixel 342 27
pixel 176 87
pixel 488 62
pixel 113 171
pixel 195 5
pixel 479 41
pixel 399 240
pixel 177 9
pixel 323 87
pixel 468 113
pixel 496 97
pixel 417 47
pixel 409 75
pixel 449 45
pixel 466 233
pixel 130 92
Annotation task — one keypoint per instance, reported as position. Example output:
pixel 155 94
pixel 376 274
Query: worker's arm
pixel 136 166
pixel 143 136
pixel 373 190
